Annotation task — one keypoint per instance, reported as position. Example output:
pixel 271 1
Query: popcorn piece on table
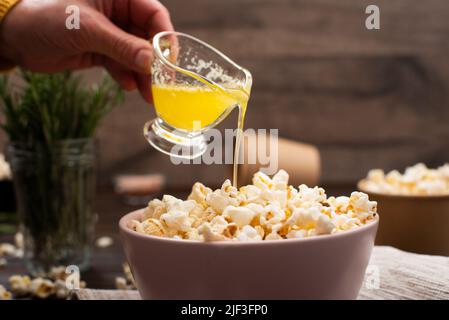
pixel 5 169
pixel 53 286
pixel 120 283
pixel 104 242
pixel 42 288
pixel 18 240
pixel 128 274
pixel 20 285
pixel 127 282
pixel 5 294
pixel 11 250
pixel 7 249
pixel 61 291
pixel 57 273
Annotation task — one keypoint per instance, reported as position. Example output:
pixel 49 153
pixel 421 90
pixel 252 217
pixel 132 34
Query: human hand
pixel 113 34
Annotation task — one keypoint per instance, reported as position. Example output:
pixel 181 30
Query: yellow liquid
pixel 193 108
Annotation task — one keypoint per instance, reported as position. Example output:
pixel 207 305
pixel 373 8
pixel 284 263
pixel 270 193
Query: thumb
pixel 133 52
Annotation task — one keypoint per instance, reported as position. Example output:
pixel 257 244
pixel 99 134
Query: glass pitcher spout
pixel 194 88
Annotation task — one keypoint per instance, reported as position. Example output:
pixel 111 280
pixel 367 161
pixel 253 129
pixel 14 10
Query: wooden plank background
pixel 365 98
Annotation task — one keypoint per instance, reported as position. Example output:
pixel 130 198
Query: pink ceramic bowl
pixel 323 267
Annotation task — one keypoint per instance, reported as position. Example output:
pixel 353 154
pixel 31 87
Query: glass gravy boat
pixel 194 88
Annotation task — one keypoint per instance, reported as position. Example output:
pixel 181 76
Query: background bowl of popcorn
pixel 414 208
pixel 264 241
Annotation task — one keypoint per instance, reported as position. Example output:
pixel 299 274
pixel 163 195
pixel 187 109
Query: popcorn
pixel 42 288
pixel 343 222
pixel 120 283
pixel 280 180
pixel 262 181
pixel 54 285
pixel 311 195
pixel 324 225
pixel 61 290
pixel 249 233
pixel 5 294
pixel 416 180
pixel 209 234
pixel 269 209
pixel 177 220
pixel 151 226
pixel 192 234
pixel 340 204
pixel 7 249
pixel 104 242
pixel 128 275
pixel 154 209
pixel 57 273
pixel 273 236
pixel 242 216
pixel 230 230
pixel 126 282
pixel 5 170
pixel 18 240
pixel 199 193
pixel 252 194
pixel 20 285
pixel 297 234
pixel 361 205
pixel 224 197
pixel 217 201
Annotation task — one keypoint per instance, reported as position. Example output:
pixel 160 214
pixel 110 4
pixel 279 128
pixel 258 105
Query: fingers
pixel 138 32
pixel 150 16
pixel 128 80
pixel 159 22
pixel 130 55
pixel 144 86
pixel 130 51
pixel 121 75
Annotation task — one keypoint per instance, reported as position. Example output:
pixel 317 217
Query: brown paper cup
pixel 413 223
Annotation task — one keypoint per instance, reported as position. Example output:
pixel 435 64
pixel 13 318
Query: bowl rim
pixel 361 188
pixel 125 229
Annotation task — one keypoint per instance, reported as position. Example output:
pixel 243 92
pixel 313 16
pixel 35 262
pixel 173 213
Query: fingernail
pixel 143 60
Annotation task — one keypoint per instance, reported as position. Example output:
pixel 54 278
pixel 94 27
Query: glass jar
pixel 55 190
